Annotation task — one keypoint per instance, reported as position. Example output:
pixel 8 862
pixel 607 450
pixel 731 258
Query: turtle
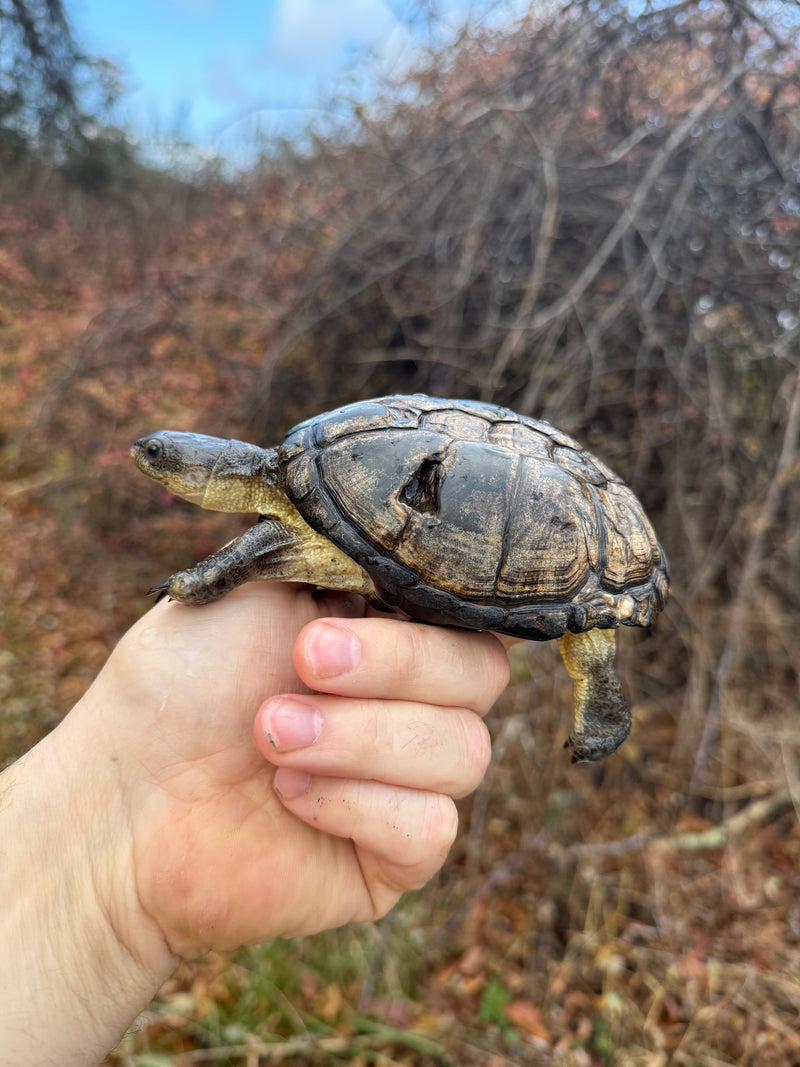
pixel 451 512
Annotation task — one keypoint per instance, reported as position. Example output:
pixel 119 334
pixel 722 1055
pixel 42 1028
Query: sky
pixel 213 71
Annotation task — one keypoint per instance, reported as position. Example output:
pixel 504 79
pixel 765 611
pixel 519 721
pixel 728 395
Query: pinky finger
pixel 402 835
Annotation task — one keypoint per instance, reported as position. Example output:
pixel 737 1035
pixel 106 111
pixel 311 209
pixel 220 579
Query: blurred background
pixel 587 211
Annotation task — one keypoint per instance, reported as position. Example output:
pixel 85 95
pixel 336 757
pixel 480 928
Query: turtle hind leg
pixel 602 714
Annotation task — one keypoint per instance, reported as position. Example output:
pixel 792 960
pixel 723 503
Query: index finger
pixel 395 659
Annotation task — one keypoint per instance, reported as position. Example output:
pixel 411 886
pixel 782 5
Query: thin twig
pixel 758 813
pixel 277 1051
pixel 516 336
pixel 784 469
pixel 630 212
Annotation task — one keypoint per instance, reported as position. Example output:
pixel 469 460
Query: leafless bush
pixel 596 218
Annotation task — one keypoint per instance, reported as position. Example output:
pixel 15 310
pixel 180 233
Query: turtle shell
pixel 468 514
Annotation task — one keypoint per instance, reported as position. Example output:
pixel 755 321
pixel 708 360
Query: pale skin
pixel 188 803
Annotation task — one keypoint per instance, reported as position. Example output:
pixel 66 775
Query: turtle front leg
pixel 602 715
pixel 269 550
pixel 248 557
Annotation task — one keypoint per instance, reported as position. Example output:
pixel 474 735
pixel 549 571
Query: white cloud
pixel 310 32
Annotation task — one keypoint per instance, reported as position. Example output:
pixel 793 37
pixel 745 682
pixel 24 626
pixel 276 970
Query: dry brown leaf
pixel 526 1016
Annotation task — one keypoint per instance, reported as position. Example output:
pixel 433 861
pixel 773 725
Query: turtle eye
pixel 421 492
pixel 153 449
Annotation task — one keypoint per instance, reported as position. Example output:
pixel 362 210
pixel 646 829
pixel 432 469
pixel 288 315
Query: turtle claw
pixel 574 755
pixel 160 591
pixel 590 748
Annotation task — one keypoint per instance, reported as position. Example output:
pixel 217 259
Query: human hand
pixel 176 840
pixel 219 860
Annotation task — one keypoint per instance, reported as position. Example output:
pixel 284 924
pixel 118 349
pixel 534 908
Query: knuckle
pixel 484 669
pixel 498 669
pixel 442 825
pixel 376 730
pixel 426 849
pixel 473 753
pixel 426 841
pixel 474 660
pixel 410 651
pixel 480 747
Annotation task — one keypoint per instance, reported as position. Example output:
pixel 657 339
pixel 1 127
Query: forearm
pixel 69 982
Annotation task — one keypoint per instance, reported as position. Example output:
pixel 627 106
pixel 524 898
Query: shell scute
pixel 546 537
pixel 519 438
pixel 580 464
pixel 470 427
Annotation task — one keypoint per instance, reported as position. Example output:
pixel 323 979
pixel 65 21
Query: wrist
pixel 77 950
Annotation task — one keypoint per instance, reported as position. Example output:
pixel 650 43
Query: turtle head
pixel 212 473
pixel 181 462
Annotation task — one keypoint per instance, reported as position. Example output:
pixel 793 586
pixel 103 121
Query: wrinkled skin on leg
pixel 272 552
pixel 602 714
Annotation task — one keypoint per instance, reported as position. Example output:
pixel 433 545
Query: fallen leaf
pixel 526 1016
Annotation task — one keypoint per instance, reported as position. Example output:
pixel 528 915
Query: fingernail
pixel 291 724
pixel 289 784
pixel 332 650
